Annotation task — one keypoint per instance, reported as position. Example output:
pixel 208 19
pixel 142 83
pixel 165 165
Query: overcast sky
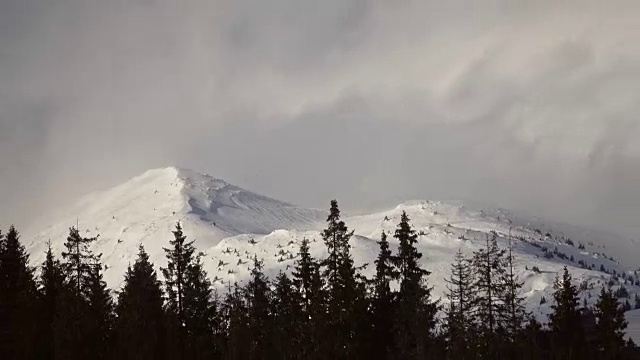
pixel 529 105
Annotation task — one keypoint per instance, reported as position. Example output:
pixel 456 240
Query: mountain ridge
pixel 231 225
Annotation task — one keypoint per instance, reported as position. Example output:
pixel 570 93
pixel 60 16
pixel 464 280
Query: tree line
pixel 324 309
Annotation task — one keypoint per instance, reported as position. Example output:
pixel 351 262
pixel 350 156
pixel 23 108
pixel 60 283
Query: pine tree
pixel 190 307
pixel 342 288
pixel 566 320
pixel 79 260
pixel 515 314
pixel 73 339
pixel 309 284
pixel 179 257
pixel 384 302
pixel 460 327
pixel 610 325
pixel 17 298
pixel 489 266
pixel 51 286
pixel 139 324
pixel 415 317
pixel 200 312
pixel 236 319
pixel 286 308
pixel 99 317
pixel 258 299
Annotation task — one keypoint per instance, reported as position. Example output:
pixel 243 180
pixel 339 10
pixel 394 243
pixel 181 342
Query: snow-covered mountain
pixel 231 225
pixel 146 208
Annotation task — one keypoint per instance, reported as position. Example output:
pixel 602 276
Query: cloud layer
pixel 525 104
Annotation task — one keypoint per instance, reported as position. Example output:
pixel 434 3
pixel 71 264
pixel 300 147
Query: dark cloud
pixel 524 104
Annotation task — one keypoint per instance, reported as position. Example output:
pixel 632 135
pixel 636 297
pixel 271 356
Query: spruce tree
pixel 343 291
pixel 383 302
pixel 79 260
pixel 17 298
pixel 461 295
pixel 200 312
pixel 189 306
pixel 179 257
pixel 286 309
pixel 99 318
pixel 610 326
pixel 309 284
pixel 565 322
pixel 258 300
pixel 139 315
pixel 415 317
pixel 515 314
pixel 490 288
pixel 51 286
pixel 236 322
pixel 73 340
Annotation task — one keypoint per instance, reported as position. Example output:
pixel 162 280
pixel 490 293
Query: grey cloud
pixel 525 104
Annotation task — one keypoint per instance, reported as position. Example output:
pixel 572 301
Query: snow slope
pixel 145 209
pixel 232 225
pixel 633 330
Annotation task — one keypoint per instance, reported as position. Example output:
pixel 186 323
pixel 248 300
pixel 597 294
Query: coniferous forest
pixel 323 309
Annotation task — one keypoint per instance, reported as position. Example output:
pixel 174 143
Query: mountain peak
pixel 145 209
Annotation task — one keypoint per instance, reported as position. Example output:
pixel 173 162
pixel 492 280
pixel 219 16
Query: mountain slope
pixel 232 225
pixel 146 208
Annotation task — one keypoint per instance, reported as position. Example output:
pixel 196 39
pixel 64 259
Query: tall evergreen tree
pixel 236 319
pixel 384 302
pixel 200 312
pixel 489 266
pixel 309 285
pixel 99 318
pixel 139 316
pixel 415 316
pixel 566 320
pixel 179 258
pixel 73 338
pixel 610 326
pixel 515 315
pixel 79 260
pixel 343 290
pixel 17 298
pixel 190 308
pixel 460 292
pixel 258 300
pixel 286 309
pixel 51 286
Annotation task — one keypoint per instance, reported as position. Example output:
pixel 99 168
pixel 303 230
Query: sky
pixel 529 105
